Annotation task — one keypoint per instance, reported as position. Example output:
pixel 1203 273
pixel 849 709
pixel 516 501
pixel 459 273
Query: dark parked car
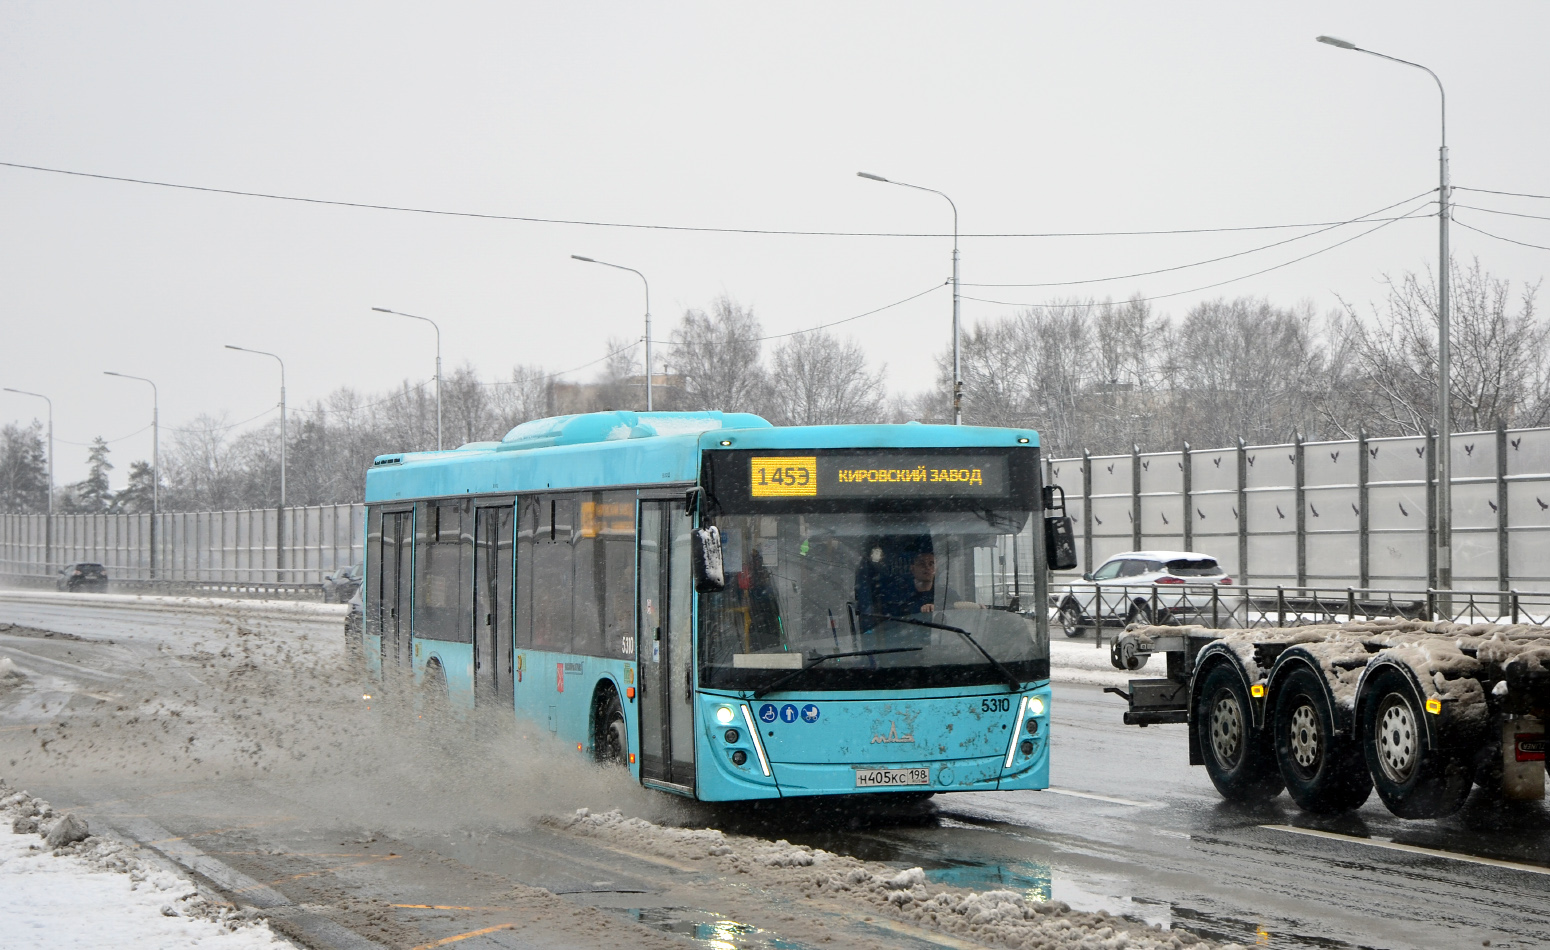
pixel 82 575
pixel 341 584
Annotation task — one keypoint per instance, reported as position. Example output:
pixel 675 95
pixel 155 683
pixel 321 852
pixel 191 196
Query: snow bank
pixel 9 674
pixel 800 873
pixel 63 887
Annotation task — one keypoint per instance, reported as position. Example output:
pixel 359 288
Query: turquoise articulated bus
pixel 729 609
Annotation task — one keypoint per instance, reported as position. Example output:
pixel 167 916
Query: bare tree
pixel 717 353
pixel 822 380
pixel 1500 370
pixel 522 398
pixel 1244 369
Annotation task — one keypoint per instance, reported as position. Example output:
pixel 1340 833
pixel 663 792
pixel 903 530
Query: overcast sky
pixel 1033 117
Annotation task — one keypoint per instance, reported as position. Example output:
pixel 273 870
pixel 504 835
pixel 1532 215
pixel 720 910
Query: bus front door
pixel 397 561
pixel 665 654
pixel 492 607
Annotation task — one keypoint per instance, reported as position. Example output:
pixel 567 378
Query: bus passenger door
pixel 397 563
pixel 492 606
pixel 665 645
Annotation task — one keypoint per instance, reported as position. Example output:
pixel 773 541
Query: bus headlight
pixel 725 715
pixel 1036 705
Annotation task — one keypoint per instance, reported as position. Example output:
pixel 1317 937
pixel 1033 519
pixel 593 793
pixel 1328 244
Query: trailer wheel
pixel 1414 781
pixel 1239 758
pixel 1324 773
pixel 1070 618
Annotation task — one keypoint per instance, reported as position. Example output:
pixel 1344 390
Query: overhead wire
pixel 1213 260
pixel 1510 214
pixel 1509 194
pixel 530 219
pixel 1498 237
pixel 1221 283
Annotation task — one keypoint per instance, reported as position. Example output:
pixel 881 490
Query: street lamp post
pixel 279 515
pixel 48 523
pixel 1444 400
pixel 438 363
pixel 243 349
pixel 648 315
pixel 155 458
pixel 957 365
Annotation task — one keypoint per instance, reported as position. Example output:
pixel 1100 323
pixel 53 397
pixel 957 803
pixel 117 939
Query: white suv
pixel 1122 590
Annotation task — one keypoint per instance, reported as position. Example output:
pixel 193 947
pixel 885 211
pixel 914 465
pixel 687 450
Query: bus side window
pixel 527 539
pixel 554 574
pixel 605 575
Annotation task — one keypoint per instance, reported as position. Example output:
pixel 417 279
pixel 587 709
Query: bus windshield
pixel 913 599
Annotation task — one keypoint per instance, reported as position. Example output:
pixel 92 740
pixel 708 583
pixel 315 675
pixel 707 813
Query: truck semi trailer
pixel 1421 711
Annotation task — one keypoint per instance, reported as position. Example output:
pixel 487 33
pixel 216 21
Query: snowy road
pixel 228 737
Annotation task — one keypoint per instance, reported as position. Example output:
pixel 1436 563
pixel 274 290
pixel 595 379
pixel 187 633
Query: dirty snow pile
pixel 803 874
pixel 9 674
pixel 61 886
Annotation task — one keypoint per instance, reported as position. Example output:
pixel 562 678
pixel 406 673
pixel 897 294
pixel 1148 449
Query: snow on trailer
pixel 1420 710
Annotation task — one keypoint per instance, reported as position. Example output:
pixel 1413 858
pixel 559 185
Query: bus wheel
pixel 1239 758
pixel 612 744
pixel 1071 619
pixel 1413 780
pixel 1324 773
pixel 435 702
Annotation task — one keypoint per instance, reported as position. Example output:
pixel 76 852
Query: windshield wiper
pixel 1011 678
pixel 781 681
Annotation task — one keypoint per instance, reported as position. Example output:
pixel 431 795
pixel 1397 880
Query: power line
pixel 1499 237
pixel 1225 257
pixel 821 326
pixel 416 387
pixel 1510 214
pixel 206 189
pixel 107 441
pixel 1230 280
pixel 1510 194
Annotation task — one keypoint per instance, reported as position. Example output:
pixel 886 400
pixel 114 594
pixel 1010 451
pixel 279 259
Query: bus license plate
pixel 880 778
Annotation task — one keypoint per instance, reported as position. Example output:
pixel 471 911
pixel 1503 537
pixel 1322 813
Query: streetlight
pixel 648 315
pixel 155 457
pixel 48 525
pixel 957 369
pixel 1444 402
pixel 243 349
pixel 438 363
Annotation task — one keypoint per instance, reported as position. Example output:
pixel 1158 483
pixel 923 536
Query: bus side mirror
pixel 1059 543
pixel 709 577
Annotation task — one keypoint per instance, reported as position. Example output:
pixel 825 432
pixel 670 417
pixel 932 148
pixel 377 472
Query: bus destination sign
pixel 890 474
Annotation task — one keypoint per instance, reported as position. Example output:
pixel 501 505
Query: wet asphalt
pixel 1129 827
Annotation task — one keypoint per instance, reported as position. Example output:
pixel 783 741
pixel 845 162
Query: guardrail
pixel 1085 606
pixel 239 590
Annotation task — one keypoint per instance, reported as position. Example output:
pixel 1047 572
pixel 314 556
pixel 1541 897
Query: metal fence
pixel 262 546
pixel 1354 513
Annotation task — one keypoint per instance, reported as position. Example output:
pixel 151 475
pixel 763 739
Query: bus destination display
pixel 852 475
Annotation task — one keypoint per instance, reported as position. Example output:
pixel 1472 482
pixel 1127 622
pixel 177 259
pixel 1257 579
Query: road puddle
pixel 1034 881
pixel 710 931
